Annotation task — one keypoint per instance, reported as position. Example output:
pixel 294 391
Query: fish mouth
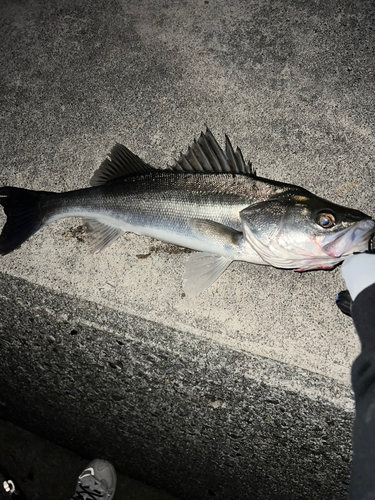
pixel 323 253
pixel 350 240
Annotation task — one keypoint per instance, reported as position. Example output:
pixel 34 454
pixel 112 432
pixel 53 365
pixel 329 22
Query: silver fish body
pixel 170 206
pixel 210 201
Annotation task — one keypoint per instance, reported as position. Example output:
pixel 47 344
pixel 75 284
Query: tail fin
pixel 24 216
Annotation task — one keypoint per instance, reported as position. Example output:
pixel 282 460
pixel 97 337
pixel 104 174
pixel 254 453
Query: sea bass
pixel 209 201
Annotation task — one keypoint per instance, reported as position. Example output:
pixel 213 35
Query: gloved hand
pixel 358 271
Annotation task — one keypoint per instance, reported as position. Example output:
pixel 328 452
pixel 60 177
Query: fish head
pixel 298 230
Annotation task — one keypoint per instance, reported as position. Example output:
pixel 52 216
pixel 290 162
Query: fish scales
pixel 167 197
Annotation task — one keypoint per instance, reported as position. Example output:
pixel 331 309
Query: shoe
pixel 97 481
pixel 9 489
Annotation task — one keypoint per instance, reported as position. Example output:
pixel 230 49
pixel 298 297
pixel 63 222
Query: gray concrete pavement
pixel 293 86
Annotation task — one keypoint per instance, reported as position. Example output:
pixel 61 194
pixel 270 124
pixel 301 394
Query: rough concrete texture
pixel 244 391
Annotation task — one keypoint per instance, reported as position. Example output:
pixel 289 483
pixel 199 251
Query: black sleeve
pixel 362 482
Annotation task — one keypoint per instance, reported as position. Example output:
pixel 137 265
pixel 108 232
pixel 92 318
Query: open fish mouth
pixel 352 239
pixel 326 254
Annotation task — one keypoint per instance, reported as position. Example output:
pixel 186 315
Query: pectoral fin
pixel 214 232
pixel 202 270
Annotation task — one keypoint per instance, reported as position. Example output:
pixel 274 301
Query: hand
pixel 358 271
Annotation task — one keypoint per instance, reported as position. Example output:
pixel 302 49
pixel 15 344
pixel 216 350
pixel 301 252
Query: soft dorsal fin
pixel 119 163
pixel 205 155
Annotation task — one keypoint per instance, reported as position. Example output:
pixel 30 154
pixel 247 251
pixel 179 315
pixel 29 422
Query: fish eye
pixel 326 220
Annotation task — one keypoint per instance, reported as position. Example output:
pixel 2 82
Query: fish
pixel 209 201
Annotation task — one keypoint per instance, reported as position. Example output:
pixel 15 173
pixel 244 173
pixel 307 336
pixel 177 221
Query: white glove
pixel 358 272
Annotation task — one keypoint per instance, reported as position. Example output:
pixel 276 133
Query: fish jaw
pixel 323 252
pixel 350 240
pixel 337 247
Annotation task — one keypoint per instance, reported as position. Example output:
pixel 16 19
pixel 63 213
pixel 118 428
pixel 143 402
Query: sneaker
pixel 9 489
pixel 97 481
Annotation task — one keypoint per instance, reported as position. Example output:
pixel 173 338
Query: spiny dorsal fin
pixel 236 160
pixel 119 163
pixel 205 155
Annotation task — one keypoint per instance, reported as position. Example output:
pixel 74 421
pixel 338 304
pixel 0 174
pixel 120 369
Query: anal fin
pixel 101 235
pixel 202 270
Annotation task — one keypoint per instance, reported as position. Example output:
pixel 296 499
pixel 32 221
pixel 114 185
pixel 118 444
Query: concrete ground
pixel 243 391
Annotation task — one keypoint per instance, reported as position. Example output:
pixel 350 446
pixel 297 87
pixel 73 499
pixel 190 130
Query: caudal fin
pixel 24 217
